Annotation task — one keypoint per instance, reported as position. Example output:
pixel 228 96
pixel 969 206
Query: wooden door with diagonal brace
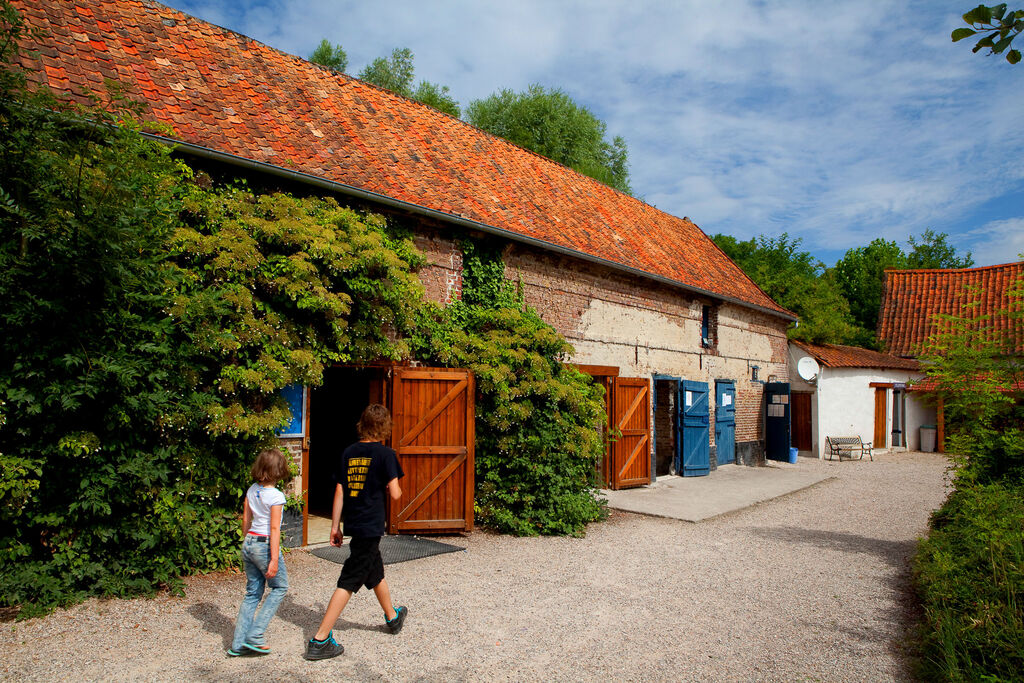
pixel 432 415
pixel 631 429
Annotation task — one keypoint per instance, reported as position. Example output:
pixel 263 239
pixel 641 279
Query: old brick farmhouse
pixel 681 338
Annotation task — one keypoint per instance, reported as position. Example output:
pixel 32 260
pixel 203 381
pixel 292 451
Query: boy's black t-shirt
pixel 364 471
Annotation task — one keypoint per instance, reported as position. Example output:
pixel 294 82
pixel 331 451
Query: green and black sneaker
pixel 395 625
pixel 323 649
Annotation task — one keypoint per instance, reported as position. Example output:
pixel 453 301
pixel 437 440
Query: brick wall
pixel 641 327
pixel 442 275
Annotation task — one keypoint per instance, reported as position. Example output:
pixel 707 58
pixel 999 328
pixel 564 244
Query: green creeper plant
pixel 537 446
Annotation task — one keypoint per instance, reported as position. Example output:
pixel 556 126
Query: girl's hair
pixel 375 423
pixel 271 465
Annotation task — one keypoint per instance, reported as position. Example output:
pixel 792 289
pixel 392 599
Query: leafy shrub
pixel 148 326
pixel 537 446
pixel 969 573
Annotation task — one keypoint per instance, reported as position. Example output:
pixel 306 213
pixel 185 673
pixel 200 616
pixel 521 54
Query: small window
pixel 705 326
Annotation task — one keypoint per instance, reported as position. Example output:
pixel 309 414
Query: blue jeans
pixel 252 625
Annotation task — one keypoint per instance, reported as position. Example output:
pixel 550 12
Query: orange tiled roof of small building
pixel 837 356
pixel 223 91
pixel 911 299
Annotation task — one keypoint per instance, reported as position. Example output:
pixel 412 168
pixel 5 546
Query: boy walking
pixel 366 470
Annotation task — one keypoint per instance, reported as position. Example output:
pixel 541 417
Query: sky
pixel 833 122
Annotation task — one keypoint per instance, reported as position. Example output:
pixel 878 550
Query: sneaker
pixel 395 625
pixel 257 649
pixel 323 650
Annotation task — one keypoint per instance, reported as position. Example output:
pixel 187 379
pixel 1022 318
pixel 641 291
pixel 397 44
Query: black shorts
pixel 364 566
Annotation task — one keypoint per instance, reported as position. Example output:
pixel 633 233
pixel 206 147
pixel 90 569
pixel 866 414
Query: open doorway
pixel 666 438
pixel 334 410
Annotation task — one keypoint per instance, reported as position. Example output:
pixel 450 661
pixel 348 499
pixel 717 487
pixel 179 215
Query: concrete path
pixel 727 489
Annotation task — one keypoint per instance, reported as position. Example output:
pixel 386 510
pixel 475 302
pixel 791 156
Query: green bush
pixel 969 574
pixel 537 442
pixel 148 324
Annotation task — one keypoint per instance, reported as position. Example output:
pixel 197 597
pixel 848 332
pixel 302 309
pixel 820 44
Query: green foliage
pixel 551 124
pixel 999 26
pixel 933 251
pixel 331 56
pixel 537 446
pixel 860 275
pixel 395 73
pixel 969 574
pixel 437 96
pixel 970 571
pixel 973 363
pixel 148 326
pixel 795 280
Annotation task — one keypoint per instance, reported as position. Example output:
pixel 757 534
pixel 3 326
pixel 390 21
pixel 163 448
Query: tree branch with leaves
pixel 998 26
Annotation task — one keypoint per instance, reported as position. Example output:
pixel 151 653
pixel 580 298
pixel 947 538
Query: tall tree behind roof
pixel 395 73
pixel 331 56
pixel 551 124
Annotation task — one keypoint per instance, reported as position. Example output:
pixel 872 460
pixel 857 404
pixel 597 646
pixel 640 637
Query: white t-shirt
pixel 260 499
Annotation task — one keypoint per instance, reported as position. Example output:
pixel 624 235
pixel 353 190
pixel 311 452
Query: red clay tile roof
pixel 225 92
pixel 910 299
pixel 836 356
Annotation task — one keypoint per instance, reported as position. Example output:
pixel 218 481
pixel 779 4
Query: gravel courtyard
pixel 812 586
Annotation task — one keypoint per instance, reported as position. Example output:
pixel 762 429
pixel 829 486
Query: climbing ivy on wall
pixel 537 443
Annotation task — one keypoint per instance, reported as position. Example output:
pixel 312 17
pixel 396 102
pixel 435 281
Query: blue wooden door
pixel 725 421
pixel 776 422
pixel 693 408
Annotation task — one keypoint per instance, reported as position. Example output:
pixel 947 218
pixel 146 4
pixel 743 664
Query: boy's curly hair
pixel 374 423
pixel 271 465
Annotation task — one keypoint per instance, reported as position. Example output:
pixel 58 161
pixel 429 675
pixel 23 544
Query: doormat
pixel 393 549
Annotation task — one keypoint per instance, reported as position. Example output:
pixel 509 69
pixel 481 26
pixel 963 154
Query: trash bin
pixel 792 455
pixel 928 438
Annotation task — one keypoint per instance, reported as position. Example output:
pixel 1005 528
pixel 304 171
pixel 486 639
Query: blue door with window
pixel 725 421
pixel 693 409
pixel 776 422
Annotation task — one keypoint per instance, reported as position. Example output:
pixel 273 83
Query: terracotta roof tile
pixel 382 143
pixel 912 298
pixel 837 356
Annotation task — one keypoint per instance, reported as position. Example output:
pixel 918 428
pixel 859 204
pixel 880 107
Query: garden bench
pixel 837 445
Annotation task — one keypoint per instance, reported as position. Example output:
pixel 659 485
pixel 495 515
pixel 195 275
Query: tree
pixel 795 280
pixel 860 275
pixel 933 251
pixel 395 73
pixel 331 56
pixel 999 26
pixel 551 124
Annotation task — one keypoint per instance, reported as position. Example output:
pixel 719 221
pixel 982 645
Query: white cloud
pixel 999 241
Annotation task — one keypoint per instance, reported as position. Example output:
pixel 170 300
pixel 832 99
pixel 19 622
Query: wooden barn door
pixel 433 412
pixel 880 419
pixel 801 419
pixel 631 423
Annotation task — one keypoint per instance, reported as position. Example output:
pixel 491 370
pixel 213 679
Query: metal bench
pixel 837 445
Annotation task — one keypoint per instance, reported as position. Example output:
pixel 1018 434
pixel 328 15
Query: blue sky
pixel 836 123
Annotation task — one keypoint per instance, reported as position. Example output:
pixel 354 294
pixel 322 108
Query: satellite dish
pixel 807 368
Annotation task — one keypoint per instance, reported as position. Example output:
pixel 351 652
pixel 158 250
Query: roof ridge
pixel 1011 264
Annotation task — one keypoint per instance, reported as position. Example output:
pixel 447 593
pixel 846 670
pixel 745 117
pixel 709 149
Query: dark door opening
pixel 666 433
pixel 334 410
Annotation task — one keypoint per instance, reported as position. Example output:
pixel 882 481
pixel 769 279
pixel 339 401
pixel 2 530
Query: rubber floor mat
pixel 393 549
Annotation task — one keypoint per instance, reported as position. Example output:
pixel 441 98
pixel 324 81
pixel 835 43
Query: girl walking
pixel 261 553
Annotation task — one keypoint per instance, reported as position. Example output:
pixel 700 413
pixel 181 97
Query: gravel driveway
pixel 812 586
